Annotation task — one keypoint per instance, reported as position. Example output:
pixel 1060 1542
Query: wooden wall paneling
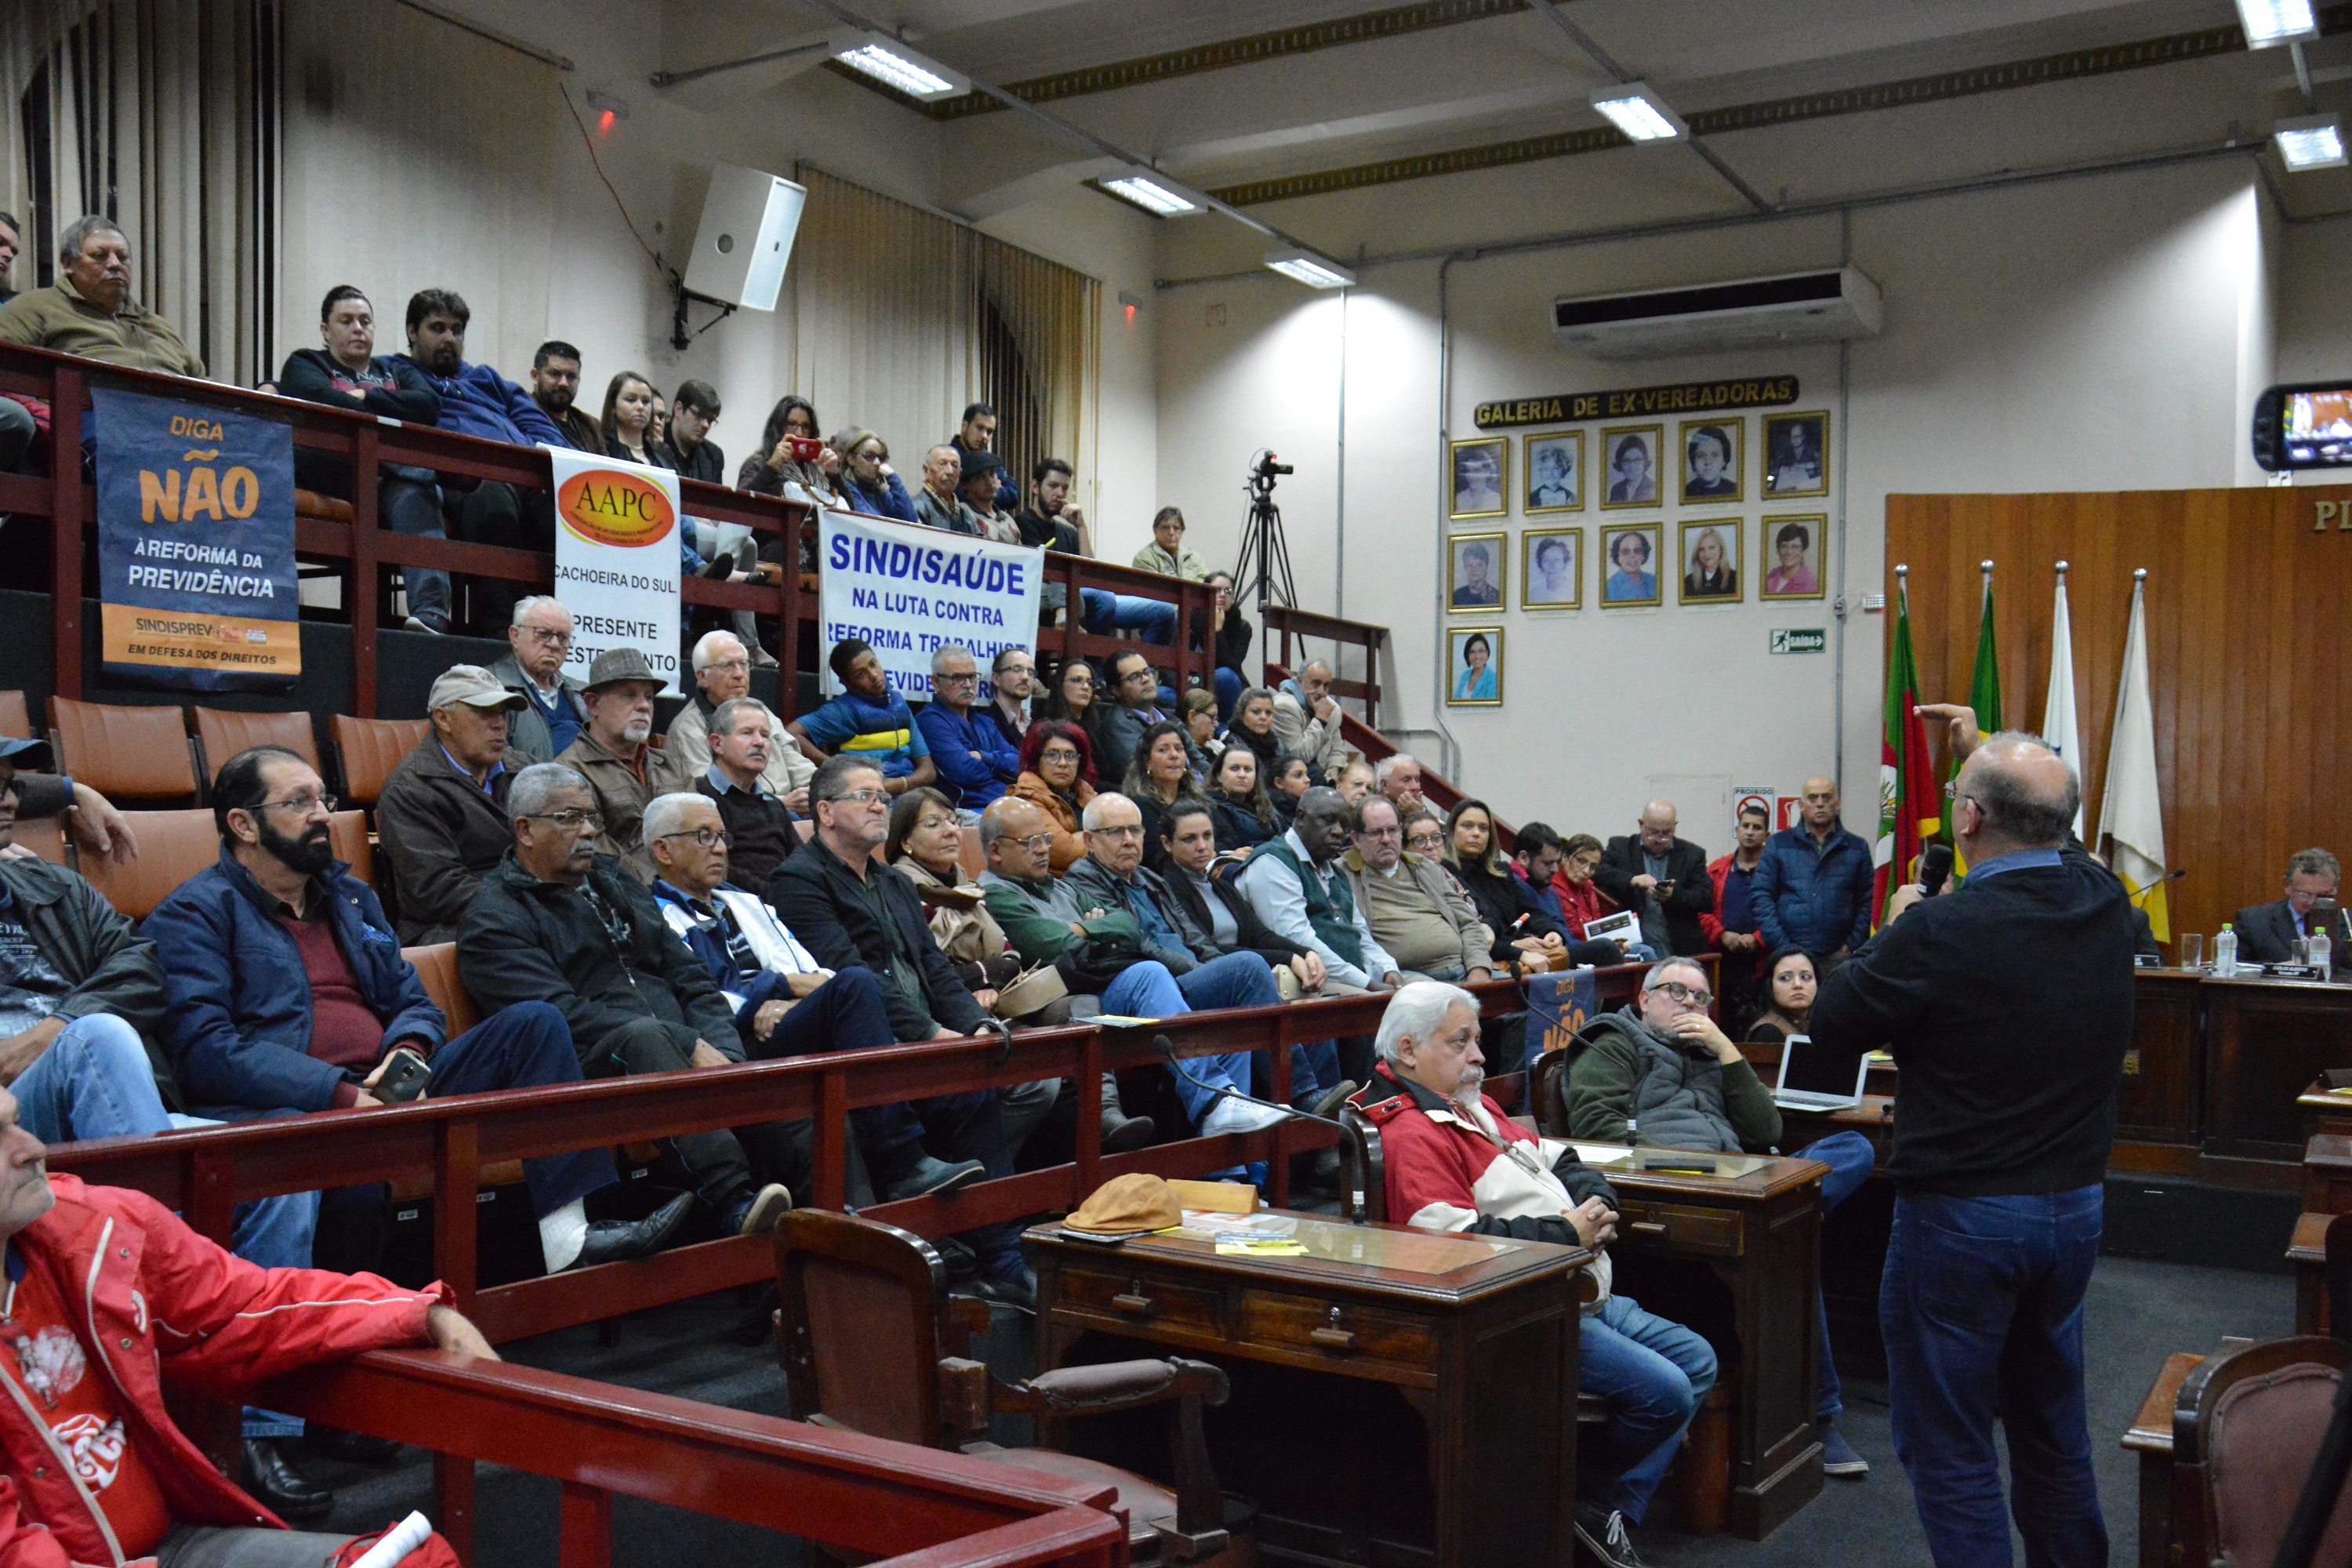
pixel 2245 603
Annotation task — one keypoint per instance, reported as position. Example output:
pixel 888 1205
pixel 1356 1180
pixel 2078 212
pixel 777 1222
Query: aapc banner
pixel 616 558
pixel 909 591
pixel 195 546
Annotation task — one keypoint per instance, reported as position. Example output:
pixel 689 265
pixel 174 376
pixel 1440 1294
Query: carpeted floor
pixel 2139 1311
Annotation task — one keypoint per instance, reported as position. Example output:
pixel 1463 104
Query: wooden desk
pixel 2150 1437
pixel 2157 1103
pixel 2324 1110
pixel 1485 1348
pixel 2265 1040
pixel 1756 1231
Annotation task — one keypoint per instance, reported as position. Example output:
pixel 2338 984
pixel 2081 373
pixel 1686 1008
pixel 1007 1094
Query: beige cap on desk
pixel 1127 1205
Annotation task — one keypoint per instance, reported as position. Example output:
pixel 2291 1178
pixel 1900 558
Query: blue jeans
pixel 845 1014
pixel 1106 612
pixel 1147 990
pixel 526 1046
pixel 1981 1306
pixel 410 501
pixel 1850 1158
pixel 1230 686
pixel 1653 1374
pixel 94 1081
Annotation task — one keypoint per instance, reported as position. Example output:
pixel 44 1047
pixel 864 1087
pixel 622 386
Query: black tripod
pixel 1262 540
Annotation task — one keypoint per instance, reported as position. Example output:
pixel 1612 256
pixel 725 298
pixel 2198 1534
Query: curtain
pixel 905 317
pixel 163 115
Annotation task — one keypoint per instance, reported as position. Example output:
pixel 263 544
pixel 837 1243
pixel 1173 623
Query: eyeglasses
pixel 706 836
pixel 1145 675
pixel 727 667
pixel 1057 754
pixel 551 640
pixel 302 804
pixel 1682 993
pixel 862 797
pixel 1134 830
pixel 969 678
pixel 1036 843
pixel 568 821
pixel 1425 844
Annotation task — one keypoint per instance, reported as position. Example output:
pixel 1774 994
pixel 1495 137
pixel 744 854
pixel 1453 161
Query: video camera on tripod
pixel 1262 540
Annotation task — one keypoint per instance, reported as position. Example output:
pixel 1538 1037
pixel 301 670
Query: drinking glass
pixel 2192 951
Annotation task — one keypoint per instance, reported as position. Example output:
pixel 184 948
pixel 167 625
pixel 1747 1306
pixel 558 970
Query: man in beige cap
pixel 441 820
pixel 618 757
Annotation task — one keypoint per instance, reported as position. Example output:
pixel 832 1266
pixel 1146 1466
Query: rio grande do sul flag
pixel 2131 815
pixel 1910 807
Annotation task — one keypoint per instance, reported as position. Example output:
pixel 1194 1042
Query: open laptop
pixel 1813 1079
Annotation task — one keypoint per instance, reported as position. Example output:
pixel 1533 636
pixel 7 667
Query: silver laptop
pixel 1814 1079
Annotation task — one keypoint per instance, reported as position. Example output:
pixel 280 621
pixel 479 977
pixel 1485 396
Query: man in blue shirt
pixel 1812 887
pixel 475 400
pixel 976 765
pixel 869 721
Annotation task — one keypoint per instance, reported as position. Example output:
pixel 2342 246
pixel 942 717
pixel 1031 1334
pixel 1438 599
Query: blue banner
pixel 1558 1005
pixel 195 546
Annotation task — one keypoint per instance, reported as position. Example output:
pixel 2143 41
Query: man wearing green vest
pixel 1299 889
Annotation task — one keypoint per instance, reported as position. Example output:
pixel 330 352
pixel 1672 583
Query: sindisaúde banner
pixel 910 591
pixel 195 546
pixel 616 558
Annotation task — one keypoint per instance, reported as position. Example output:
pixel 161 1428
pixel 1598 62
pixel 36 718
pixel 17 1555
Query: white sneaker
pixel 1238 1116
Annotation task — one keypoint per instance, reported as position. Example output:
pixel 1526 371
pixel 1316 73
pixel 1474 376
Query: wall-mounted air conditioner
pixel 1755 313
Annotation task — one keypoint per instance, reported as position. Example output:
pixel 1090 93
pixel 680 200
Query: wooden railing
pixel 1287 623
pixel 910 1505
pixel 363 550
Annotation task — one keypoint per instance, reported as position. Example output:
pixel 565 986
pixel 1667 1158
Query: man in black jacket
pixel 1663 879
pixel 850 910
pixel 344 372
pixel 2008 1005
pixel 558 922
pixel 2267 932
pixel 442 817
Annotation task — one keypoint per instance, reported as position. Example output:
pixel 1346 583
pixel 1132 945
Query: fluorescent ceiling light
pixel 2269 22
pixel 1160 196
pixel 893 64
pixel 1640 113
pixel 1306 266
pixel 2314 144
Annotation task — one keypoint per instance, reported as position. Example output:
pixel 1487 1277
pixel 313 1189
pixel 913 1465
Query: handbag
pixel 1032 989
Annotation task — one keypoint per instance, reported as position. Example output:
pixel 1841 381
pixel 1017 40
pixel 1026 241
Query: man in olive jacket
pixel 442 819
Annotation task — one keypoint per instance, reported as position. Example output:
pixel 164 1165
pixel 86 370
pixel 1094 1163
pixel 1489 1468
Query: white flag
pixel 2131 816
pixel 2058 708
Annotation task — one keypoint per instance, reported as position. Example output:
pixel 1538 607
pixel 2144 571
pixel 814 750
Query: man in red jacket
pixel 104 1292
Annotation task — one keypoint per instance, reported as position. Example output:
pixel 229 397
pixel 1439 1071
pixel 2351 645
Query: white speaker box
pixel 749 220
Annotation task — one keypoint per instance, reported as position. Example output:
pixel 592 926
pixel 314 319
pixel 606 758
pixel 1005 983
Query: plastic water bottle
pixel 2321 949
pixel 2225 953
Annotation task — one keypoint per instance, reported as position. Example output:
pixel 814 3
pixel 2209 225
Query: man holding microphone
pixel 2008 1005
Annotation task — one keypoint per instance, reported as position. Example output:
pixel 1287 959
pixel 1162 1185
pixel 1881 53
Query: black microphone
pixel 1352 1139
pixel 2168 877
pixel 1935 866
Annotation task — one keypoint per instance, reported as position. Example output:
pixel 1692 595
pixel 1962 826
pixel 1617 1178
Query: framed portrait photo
pixel 1796 455
pixel 1480 473
pixel 1711 460
pixel 1795 550
pixel 1473 662
pixel 1551 569
pixel 1555 470
pixel 1629 457
pixel 1710 558
pixel 1475 574
pixel 1629 564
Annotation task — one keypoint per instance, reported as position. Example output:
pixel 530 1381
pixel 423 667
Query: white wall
pixel 2095 333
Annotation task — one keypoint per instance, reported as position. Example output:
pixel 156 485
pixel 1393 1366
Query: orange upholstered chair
pixel 369 749
pixel 222 733
pixel 174 845
pixel 139 754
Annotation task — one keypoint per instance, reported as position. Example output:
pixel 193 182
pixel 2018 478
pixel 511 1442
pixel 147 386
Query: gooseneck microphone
pixel 1353 1152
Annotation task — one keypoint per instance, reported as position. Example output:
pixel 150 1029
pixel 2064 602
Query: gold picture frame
pixel 1535 583
pixel 1651 437
pixel 1612 538
pixel 1805 570
pixel 1463 461
pixel 1729 486
pixel 1462 553
pixel 1537 451
pixel 1778 430
pixel 1473 686
pixel 1730 575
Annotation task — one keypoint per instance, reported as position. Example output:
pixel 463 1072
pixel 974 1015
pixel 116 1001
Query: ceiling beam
pixel 2073 65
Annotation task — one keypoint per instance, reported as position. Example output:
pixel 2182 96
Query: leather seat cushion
pixel 1140 1501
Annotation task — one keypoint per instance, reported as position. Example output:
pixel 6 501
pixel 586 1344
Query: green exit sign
pixel 1799 639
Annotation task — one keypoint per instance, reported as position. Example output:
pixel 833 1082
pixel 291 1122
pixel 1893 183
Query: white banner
pixel 909 591
pixel 616 558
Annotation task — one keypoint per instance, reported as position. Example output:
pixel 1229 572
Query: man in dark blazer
pixel 2267 932
pixel 848 909
pixel 2008 1005
pixel 1663 879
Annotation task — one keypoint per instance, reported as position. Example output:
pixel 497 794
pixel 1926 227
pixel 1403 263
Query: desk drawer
pixel 1343 1333
pixel 1711 1232
pixel 1125 1296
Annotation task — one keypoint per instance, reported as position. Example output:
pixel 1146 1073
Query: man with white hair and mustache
pixel 617 756
pixel 1455 1161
